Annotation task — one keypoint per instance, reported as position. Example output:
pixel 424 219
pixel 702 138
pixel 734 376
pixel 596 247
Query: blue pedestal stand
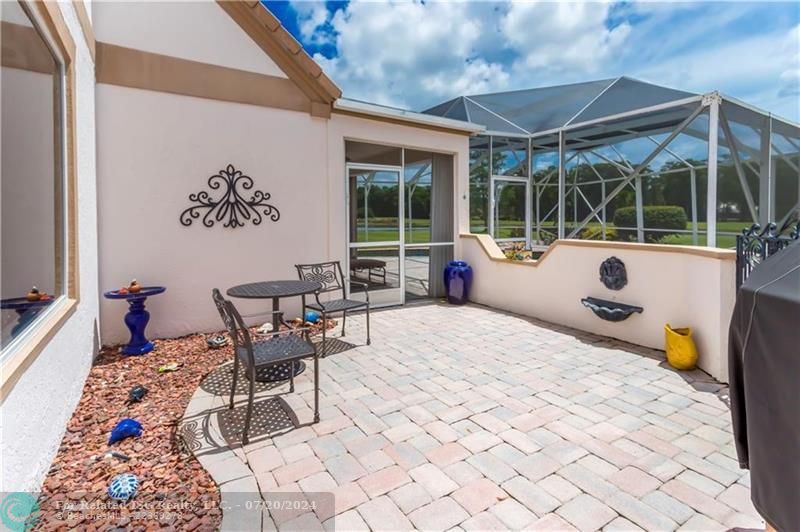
pixel 137 318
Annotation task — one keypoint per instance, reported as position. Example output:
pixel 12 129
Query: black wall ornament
pixel 231 208
pixel 613 274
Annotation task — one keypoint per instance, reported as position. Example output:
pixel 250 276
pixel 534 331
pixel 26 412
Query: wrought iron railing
pixel 754 245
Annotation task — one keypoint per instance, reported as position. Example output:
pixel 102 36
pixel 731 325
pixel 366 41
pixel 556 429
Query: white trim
pixel 354 106
pixel 635 112
pixel 524 131
pixel 576 115
pixel 423 245
pixel 758 110
pixel 31 329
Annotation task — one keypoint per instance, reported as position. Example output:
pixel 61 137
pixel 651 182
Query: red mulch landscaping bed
pixel 174 490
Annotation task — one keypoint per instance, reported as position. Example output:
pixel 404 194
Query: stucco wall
pixel 156 148
pixel 199 31
pixel 679 286
pixel 35 413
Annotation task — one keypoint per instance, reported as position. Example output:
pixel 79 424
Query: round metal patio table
pixel 275 290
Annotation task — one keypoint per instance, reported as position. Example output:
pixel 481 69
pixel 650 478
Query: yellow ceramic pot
pixel 680 347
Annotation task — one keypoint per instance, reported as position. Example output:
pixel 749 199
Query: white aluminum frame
pixel 762 211
pixel 381 244
pixel 401 244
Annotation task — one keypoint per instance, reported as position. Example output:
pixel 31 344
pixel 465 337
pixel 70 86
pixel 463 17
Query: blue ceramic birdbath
pixel 137 317
pixel 27 311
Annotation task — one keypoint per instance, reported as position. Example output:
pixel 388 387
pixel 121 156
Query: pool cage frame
pixel 576 141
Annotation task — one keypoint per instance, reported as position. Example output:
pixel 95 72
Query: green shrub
pixel 595 232
pixel 655 217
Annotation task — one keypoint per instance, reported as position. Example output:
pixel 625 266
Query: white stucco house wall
pixel 42 378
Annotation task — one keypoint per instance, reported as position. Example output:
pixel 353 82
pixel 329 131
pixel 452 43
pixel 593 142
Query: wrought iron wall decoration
pixel 613 274
pixel 754 245
pixel 232 208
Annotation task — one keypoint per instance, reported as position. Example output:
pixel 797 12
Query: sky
pixel 415 55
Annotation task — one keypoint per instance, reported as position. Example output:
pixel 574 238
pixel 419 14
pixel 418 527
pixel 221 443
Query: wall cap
pixel 494 252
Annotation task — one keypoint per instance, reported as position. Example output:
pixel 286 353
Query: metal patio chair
pixel 280 347
pixel 329 275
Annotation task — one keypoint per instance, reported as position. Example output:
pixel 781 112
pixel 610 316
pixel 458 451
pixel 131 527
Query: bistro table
pixel 137 317
pixel 275 290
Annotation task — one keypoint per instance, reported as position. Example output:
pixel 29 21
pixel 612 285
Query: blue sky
pixel 417 54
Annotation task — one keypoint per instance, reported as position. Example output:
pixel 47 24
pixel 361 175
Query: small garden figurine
pixel 125 428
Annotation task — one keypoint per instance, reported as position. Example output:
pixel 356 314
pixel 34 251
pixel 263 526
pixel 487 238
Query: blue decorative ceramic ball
pixel 312 316
pixel 123 487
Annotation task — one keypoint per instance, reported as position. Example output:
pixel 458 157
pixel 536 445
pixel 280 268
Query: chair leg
pixel 344 318
pixel 248 417
pixel 368 340
pixel 316 389
pixel 291 376
pixel 235 377
pixel 324 329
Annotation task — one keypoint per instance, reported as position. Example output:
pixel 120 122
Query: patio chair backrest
pixel 235 325
pixel 327 274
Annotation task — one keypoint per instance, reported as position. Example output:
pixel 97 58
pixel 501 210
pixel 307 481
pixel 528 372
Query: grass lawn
pixel 385 230
pixel 726 232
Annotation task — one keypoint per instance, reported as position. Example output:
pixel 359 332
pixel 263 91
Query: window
pixel 35 215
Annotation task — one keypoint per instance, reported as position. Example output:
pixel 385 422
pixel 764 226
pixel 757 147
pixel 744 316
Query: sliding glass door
pixel 400 223
pixel 375 220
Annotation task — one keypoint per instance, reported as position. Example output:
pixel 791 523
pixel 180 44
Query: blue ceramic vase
pixel 457 282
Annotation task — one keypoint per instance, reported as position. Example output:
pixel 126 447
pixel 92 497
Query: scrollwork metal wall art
pixel 232 208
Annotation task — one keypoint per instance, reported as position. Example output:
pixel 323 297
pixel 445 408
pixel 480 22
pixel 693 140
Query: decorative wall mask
pixel 233 207
pixel 613 274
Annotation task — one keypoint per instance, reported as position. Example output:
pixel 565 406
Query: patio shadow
pixel 219 382
pixel 333 346
pixel 271 416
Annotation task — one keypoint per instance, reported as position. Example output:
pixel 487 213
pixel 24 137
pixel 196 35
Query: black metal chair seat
pixel 338 305
pixel 281 347
pixel 277 350
pixel 331 279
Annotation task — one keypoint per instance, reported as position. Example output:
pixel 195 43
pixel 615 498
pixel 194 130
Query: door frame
pixel 401 221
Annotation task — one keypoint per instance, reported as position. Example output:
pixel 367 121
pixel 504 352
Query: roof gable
pixel 268 33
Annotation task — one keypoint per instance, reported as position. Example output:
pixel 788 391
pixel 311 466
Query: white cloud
pixel 412 54
pixel 311 18
pixel 403 53
pixel 562 36
pixel 790 63
pixel 415 55
pixel 759 69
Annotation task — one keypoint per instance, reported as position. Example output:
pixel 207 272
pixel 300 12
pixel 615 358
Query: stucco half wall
pixel 679 285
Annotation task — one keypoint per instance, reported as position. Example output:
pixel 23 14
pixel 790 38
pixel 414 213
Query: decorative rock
pixel 137 393
pixel 264 329
pixel 217 341
pixel 123 487
pixel 75 471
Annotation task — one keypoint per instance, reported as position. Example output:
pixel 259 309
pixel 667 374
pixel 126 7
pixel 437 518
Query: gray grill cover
pixel 764 365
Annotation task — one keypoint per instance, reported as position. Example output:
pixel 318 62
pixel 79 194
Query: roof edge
pixel 270 35
pixel 402 115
